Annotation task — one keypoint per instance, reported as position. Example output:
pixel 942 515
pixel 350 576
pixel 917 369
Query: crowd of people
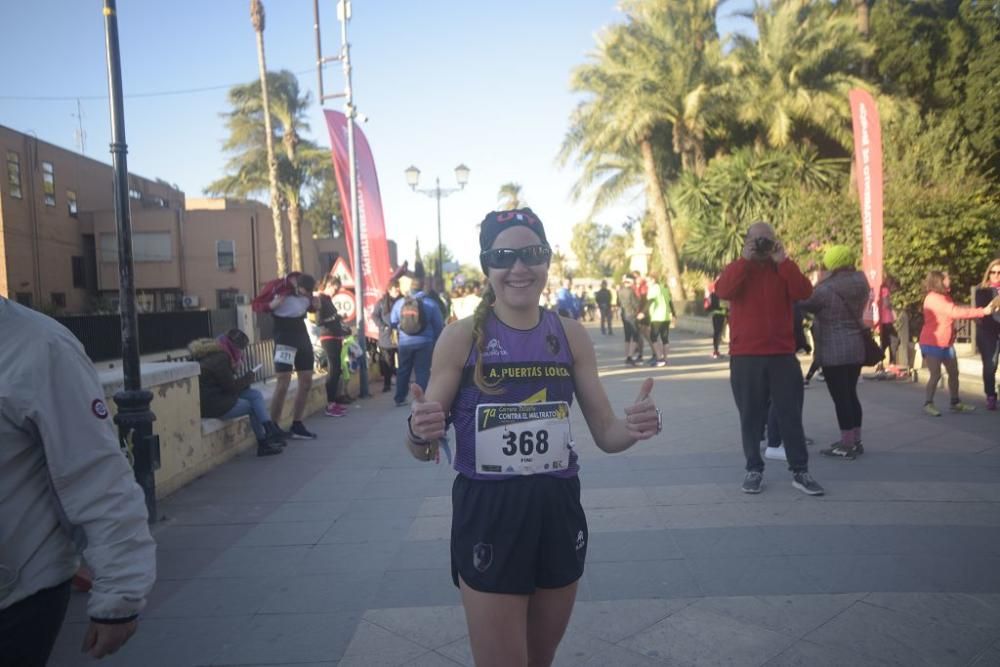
pixel 499 365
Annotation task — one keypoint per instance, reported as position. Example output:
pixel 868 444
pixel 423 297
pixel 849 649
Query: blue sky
pixel 441 81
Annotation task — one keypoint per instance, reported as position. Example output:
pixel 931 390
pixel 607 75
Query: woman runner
pixel 519 534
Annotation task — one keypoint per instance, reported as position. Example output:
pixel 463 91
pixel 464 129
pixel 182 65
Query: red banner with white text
pixel 374 247
pixel 868 172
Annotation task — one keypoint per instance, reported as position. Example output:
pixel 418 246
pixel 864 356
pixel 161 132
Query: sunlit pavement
pixel 336 552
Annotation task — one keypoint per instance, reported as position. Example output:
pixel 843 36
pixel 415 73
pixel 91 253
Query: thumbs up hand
pixel 427 420
pixel 642 417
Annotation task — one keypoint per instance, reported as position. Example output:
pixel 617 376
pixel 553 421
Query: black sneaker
pixel 804 482
pixel 300 432
pixel 629 361
pixel 268 449
pixel 859 448
pixel 753 482
pixel 838 451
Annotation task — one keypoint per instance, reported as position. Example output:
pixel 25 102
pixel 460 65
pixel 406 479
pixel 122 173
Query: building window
pixel 134 194
pixel 79 273
pixel 225 255
pixel 14 174
pixel 59 299
pixel 170 301
pixel 23 298
pixel 226 298
pixel 49 183
pixel 71 203
pixel 146 247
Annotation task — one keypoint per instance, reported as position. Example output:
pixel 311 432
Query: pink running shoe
pixel 335 410
pixel 991 403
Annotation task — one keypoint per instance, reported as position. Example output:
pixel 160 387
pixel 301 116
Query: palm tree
pixel 509 196
pixel 302 163
pixel 792 81
pixel 738 189
pixel 288 107
pixel 257 19
pixel 656 75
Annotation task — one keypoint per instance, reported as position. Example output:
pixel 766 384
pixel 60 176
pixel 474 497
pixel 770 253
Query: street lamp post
pixel 413 178
pixel 134 418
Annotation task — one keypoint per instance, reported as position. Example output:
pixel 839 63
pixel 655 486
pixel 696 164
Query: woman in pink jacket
pixel 937 338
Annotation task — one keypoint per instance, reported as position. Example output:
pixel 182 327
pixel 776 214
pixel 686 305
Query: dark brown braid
pixel 479 338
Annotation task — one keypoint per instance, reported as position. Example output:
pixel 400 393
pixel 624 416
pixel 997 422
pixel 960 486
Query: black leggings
pixel 842 381
pixel 332 347
pixel 988 343
pixel 888 339
pixel 718 325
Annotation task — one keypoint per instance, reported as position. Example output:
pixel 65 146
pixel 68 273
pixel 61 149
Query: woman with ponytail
pixel 505 378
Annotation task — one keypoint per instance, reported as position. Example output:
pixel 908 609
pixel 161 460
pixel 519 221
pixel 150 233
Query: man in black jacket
pixel 603 299
pixel 225 396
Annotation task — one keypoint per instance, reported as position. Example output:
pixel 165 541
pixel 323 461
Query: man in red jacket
pixel 761 288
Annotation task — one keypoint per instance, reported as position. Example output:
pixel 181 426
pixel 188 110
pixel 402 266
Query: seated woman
pixel 225 396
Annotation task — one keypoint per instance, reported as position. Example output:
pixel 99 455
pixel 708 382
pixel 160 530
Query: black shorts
pixel 292 332
pixel 516 535
pixel 631 328
pixel 659 330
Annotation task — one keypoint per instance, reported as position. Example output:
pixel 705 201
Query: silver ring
pixel 659 421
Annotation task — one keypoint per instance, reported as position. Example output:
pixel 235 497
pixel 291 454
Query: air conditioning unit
pixel 190 301
pixel 242 300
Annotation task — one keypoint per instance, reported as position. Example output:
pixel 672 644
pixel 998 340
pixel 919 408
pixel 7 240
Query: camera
pixel 763 246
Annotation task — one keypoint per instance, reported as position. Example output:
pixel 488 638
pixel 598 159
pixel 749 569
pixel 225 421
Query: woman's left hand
pixel 643 418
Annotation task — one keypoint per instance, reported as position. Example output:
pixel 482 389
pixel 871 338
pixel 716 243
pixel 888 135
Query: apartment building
pixel 58 240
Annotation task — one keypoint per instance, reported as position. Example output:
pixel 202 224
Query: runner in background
pixel 293 350
pixel 603 299
pixel 937 338
pixel 713 306
pixel 519 534
pixel 628 303
pixel 332 332
pixel 887 335
pixel 988 332
pixel 386 336
pixel 661 310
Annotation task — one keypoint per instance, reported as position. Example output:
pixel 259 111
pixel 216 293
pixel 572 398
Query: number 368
pixel 526 443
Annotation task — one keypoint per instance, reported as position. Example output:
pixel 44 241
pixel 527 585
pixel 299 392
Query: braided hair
pixel 479 337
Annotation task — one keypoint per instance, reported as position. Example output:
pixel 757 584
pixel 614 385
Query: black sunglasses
pixel 504 258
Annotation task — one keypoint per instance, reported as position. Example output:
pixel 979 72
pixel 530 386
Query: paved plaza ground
pixel 336 552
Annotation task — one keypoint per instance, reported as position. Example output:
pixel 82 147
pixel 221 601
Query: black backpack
pixel 411 316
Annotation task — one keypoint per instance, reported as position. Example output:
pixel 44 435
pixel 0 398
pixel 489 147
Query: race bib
pixel 522 438
pixel 284 354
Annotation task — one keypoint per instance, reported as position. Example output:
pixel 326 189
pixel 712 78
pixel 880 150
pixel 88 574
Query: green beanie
pixel 838 257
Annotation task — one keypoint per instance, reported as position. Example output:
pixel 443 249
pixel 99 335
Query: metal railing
pixel 256 354
pixel 260 353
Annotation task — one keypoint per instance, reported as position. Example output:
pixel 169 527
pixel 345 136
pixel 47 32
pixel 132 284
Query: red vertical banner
pixel 371 226
pixel 868 172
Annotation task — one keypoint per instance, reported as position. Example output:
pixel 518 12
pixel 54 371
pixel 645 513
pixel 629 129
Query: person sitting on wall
pixel 225 396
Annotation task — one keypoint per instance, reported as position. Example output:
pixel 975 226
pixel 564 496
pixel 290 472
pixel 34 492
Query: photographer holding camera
pixel 761 288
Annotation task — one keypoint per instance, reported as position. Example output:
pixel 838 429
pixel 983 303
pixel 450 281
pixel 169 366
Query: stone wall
pixel 189 445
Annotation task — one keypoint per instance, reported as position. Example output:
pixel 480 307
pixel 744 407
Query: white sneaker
pixel 776 453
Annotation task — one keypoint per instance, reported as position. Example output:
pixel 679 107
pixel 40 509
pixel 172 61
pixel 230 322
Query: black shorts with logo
pixel 292 332
pixel 516 535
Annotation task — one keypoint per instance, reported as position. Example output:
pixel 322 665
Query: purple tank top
pixel 536 365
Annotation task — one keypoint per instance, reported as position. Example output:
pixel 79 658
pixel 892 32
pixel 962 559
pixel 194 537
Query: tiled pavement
pixel 336 552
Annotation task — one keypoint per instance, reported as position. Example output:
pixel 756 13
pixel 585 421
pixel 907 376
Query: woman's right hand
pixel 427 419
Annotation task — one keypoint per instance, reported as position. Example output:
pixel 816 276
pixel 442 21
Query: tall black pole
pixel 134 417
